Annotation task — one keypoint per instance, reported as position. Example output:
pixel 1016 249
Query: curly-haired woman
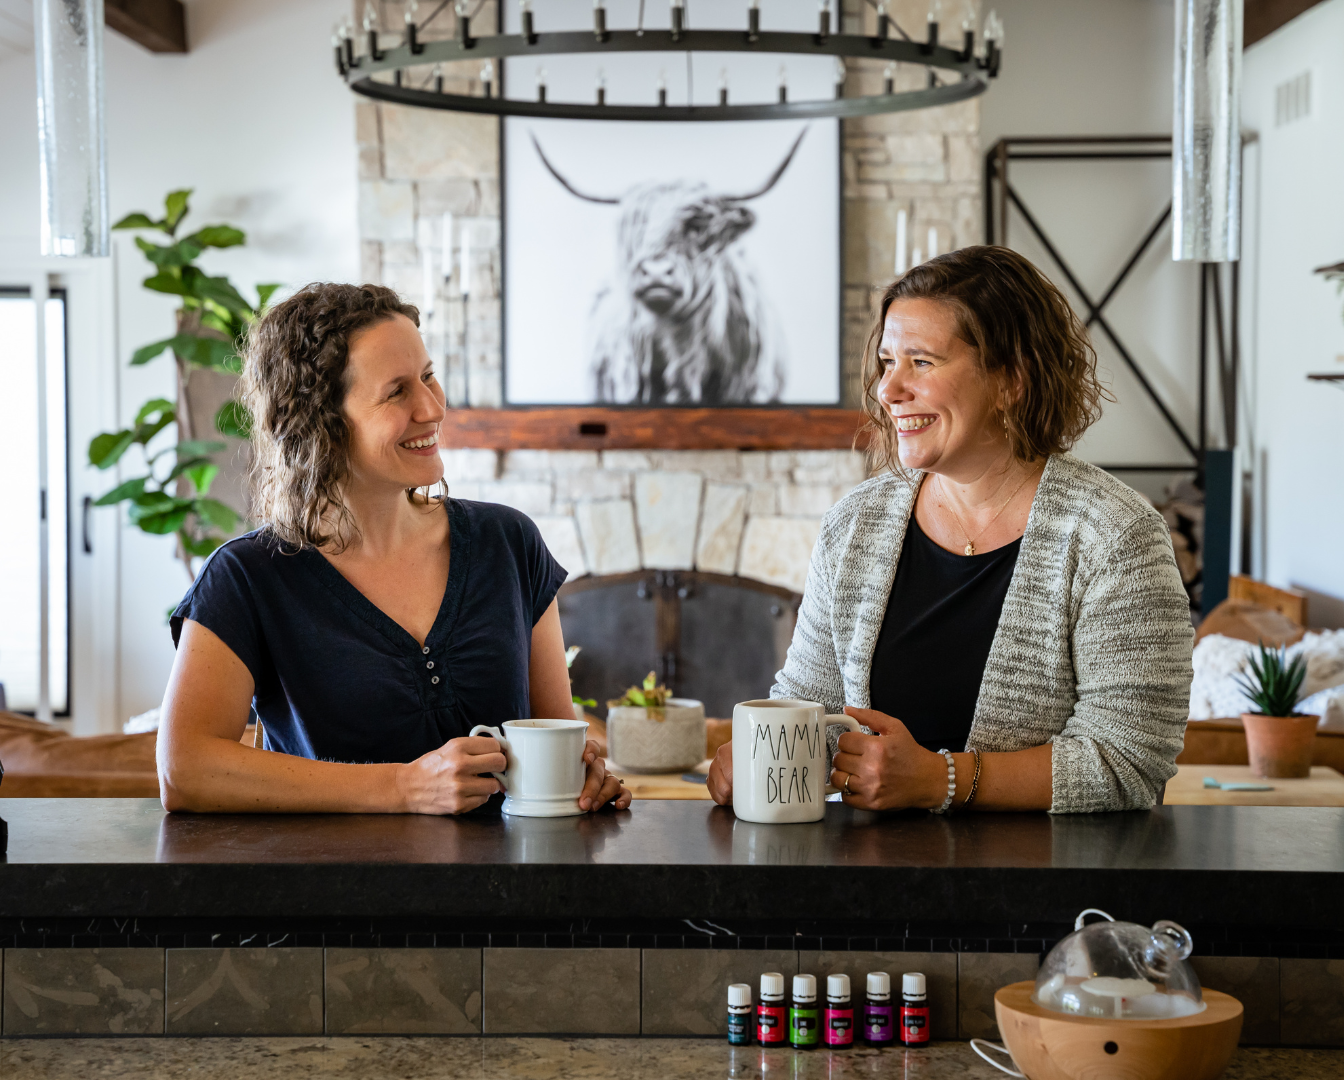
pixel 368 624
pixel 988 592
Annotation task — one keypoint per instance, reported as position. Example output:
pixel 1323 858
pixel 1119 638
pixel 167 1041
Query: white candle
pixel 447 244
pixel 428 285
pixel 901 265
pixel 933 242
pixel 465 283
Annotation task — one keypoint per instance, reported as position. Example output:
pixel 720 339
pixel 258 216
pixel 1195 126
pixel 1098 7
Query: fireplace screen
pixel 711 637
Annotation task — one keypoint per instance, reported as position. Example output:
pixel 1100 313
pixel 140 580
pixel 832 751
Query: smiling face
pixel 944 406
pixel 393 406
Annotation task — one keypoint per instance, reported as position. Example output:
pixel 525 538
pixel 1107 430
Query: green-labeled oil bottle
pixel 804 1016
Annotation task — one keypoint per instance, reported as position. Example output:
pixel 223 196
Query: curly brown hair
pixel 294 386
pixel 1023 330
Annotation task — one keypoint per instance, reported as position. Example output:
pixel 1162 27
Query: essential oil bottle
pixel 878 1029
pixel 739 1014
pixel 914 1010
pixel 804 1017
pixel 838 1021
pixel 772 1027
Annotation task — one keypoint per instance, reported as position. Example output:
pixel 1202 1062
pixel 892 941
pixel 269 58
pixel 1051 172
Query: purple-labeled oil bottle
pixel 878 1026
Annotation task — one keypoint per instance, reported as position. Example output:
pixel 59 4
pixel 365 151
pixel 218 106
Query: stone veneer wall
pixel 757 514
pixel 753 513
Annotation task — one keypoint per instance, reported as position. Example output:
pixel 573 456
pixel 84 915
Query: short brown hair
pixel 294 386
pixel 1022 327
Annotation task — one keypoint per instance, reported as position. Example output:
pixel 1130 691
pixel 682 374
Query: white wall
pixel 1296 212
pixel 256 121
pixel 1103 67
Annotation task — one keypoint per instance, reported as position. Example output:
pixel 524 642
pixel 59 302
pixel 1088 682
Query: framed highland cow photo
pixel 672 263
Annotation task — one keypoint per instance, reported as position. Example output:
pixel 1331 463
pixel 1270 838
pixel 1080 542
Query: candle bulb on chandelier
pixel 541 84
pixel 783 84
pixel 754 21
pixel 412 7
pixel 889 78
pixel 678 18
pixel 529 30
pixel 824 20
pixel 488 78
pixel 723 86
pixel 438 78
pixel 901 265
pixel 601 87
pixel 883 22
pixel 841 73
pixel 967 31
pixel 931 36
pixel 662 86
pixel 600 21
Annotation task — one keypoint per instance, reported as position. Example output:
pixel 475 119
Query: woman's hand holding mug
pixel 888 770
pixel 449 780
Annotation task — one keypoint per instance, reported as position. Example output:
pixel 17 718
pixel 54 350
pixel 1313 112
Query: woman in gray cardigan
pixel 988 591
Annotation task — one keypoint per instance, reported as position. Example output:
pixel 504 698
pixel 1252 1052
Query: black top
pixel 935 638
pixel 337 679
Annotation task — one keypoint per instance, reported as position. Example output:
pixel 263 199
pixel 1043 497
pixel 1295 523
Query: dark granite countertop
pixel 1197 864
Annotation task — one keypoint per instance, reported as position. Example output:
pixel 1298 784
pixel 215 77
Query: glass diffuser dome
pixel 1120 970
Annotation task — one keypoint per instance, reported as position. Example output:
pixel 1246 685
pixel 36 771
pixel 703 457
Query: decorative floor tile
pixel 244 991
pixel 403 991
pixel 560 991
pixel 1252 980
pixel 979 976
pixel 83 992
pixel 685 991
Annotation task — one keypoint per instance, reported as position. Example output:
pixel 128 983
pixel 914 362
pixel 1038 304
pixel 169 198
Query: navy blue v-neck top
pixel 936 635
pixel 336 679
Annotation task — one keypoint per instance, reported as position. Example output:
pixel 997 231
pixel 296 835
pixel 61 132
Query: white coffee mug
pixel 779 759
pixel 544 771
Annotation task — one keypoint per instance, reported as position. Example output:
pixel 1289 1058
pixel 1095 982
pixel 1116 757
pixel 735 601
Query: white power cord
pixel 977 1043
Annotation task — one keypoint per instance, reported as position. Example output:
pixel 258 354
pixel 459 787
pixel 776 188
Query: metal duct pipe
pixel 1206 135
pixel 72 143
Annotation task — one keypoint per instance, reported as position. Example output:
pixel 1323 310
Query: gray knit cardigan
pixel 1092 651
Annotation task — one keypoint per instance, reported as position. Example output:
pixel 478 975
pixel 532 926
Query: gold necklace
pixel 970 542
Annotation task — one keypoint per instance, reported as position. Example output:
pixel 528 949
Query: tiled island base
pixel 537 1059
pixel 296 991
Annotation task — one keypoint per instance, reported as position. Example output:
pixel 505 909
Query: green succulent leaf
pixel 105 450
pixel 587 703
pixel 1272 682
pixel 215 513
pixel 217 236
pixel 233 420
pixel 130 489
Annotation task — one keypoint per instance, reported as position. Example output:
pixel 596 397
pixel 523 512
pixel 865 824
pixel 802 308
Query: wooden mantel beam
pixel 1263 17
pixel 159 25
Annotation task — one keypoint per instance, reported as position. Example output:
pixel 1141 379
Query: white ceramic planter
pixel 639 743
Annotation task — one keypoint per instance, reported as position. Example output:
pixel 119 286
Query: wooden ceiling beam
pixel 1263 17
pixel 159 25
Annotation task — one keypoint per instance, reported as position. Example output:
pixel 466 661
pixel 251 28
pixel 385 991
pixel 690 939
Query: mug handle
pixel 839 720
pixel 503 743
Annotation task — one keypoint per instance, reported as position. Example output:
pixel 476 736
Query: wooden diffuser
pixel 1048 1045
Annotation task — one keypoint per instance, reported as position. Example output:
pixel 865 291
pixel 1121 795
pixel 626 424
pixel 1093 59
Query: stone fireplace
pixel 735 527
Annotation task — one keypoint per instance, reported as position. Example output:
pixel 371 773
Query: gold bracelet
pixel 975 780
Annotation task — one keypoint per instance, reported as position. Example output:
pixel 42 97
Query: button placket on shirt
pixel 429 665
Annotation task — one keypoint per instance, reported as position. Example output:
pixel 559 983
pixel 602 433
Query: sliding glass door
pixel 33 516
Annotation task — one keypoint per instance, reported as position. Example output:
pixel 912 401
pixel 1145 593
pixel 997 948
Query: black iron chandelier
pixel 954 73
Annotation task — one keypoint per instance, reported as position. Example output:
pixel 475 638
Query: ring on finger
pixel 845 788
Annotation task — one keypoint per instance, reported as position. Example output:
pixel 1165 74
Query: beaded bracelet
pixel 951 782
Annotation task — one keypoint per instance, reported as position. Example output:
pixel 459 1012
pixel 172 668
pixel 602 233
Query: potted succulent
pixel 650 731
pixel 1279 740
pixel 580 703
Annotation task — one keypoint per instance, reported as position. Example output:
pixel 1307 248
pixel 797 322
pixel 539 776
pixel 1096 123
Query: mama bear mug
pixel 779 760
pixel 545 771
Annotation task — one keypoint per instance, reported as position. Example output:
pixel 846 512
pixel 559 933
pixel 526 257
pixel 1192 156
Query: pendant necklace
pixel 970 542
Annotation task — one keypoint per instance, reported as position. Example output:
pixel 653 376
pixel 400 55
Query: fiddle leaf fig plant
pixel 172 495
pixel 1273 684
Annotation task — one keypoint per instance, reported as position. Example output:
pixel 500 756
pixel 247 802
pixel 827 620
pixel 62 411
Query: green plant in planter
pixel 1273 684
pixel 570 653
pixel 173 494
pixel 648 696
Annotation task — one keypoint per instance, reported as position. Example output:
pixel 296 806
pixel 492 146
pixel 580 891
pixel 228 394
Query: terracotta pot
pixel 1280 747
